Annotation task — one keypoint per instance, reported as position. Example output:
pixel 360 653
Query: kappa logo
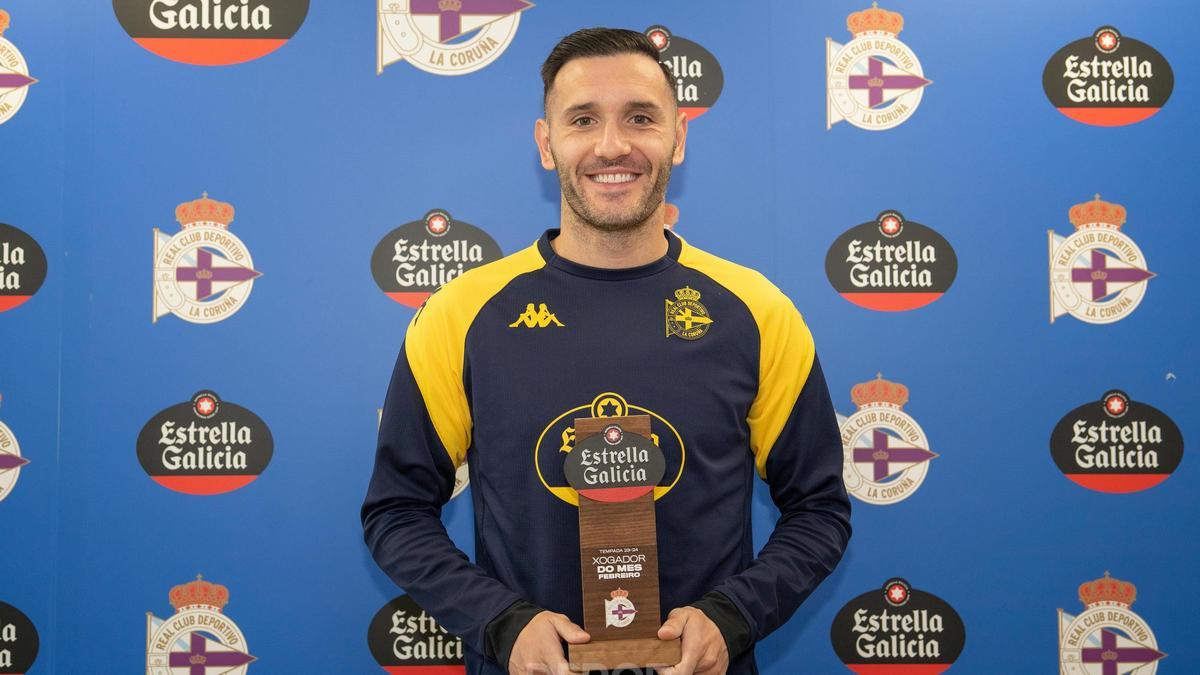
pixel 898 629
pixel 417 258
pixel 19 642
pixel 22 267
pixel 619 611
pixel 211 32
pixel 698 75
pixel 540 319
pixel 886 452
pixel 686 317
pixel 14 74
pixel 462 476
pixel 1098 274
pixel 1108 638
pixel 1108 79
pixel 199 637
pixel 11 460
pixel 406 640
pixel 446 37
pixel 875 81
pixel 202 274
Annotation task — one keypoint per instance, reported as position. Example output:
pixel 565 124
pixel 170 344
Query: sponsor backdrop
pixel 218 217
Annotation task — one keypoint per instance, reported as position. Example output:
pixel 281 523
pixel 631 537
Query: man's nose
pixel 612 143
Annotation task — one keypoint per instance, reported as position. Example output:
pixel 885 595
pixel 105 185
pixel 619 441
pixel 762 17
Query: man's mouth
pixel 613 178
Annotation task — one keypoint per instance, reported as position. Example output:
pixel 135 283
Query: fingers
pixel 568 630
pixel 673 627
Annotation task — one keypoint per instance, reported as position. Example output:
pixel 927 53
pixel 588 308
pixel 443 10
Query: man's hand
pixel 704 650
pixel 538 650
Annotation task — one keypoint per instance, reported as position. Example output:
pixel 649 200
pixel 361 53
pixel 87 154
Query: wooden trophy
pixel 614 468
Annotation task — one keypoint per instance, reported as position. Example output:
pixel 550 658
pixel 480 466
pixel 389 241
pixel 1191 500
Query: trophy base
pixel 633 653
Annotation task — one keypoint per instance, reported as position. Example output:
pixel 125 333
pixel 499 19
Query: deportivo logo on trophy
pixel 891 264
pixel 1116 444
pixel 874 81
pixel 199 638
pixel 898 629
pixel 618 609
pixel 886 452
pixel 14 74
pixel 404 638
pixel 446 37
pixel 205 446
pixel 1098 274
pixel 11 460
pixel 686 317
pixel 202 274
pixel 415 259
pixel 697 75
pixel 1108 638
pixel 19 642
pixel 22 267
pixel 1108 79
pixel 211 32
pixel 462 476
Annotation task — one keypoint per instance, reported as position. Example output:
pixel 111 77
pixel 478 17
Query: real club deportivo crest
pixel 898 629
pixel 14 74
pixel 1098 274
pixel 199 638
pixel 875 81
pixel 619 611
pixel 1108 637
pixel 886 452
pixel 1108 79
pixel 11 460
pixel 203 273
pixel 686 317
pixel 19 641
pixel 211 32
pixel 698 78
pixel 446 37
pixel 406 640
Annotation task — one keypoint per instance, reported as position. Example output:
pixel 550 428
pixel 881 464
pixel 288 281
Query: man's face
pixel 612 131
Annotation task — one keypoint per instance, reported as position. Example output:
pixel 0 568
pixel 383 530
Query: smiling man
pixel 630 319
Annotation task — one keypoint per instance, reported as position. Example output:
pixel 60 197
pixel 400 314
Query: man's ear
pixel 541 136
pixel 681 127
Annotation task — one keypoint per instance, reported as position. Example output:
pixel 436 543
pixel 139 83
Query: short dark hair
pixel 599 41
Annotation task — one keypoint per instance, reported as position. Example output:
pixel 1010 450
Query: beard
pixel 612 220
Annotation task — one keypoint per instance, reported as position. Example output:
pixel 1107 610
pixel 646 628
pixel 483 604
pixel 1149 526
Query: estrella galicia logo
pixel 415 259
pixel 698 78
pixel 22 267
pixel 1108 636
pixel 205 446
pixel 14 74
pixel 891 264
pixel 19 641
pixel 1108 79
pixel 898 629
pixel 211 32
pixel 1116 444
pixel 406 640
pixel 446 37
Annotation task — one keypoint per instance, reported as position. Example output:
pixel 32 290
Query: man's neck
pixel 583 244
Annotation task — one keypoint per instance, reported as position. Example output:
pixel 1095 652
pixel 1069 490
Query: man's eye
pixel 641 119
pixel 583 122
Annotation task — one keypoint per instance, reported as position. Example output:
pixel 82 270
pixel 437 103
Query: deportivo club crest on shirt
pixel 446 37
pixel 686 317
pixel 11 460
pixel 1098 274
pixel 199 638
pixel 14 74
pixel 698 78
pixel 874 81
pixel 618 609
pixel 1108 638
pixel 886 452
pixel 202 274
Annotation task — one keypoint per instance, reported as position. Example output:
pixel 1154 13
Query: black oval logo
pixel 415 259
pixel 405 639
pixel 19 641
pixel 697 77
pixel 211 32
pixel 898 626
pixel 1108 79
pixel 614 465
pixel 205 446
pixel 22 267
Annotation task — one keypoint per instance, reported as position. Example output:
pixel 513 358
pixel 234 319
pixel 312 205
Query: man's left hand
pixel 704 650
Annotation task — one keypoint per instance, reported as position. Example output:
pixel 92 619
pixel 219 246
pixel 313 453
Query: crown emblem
pixel 1107 591
pixel 199 592
pixel 875 20
pixel 1097 213
pixel 204 211
pixel 687 293
pixel 4 22
pixel 449 5
pixel 619 593
pixel 879 391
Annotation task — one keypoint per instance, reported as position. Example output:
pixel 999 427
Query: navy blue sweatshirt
pixel 493 371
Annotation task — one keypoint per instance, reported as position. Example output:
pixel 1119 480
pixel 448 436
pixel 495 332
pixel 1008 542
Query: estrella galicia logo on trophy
pixel 698 78
pixel 886 452
pixel 898 629
pixel 1108 637
pixel 446 37
pixel 1108 79
pixel 205 446
pixel 14 74
pixel 211 32
pixel 406 640
pixel 1115 444
pixel 22 267
pixel 462 476
pixel 875 81
pixel 1097 274
pixel 891 264
pixel 19 642
pixel 415 259
pixel 11 460
pixel 203 273
pixel 199 637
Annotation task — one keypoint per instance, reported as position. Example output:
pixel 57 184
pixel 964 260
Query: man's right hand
pixel 538 649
